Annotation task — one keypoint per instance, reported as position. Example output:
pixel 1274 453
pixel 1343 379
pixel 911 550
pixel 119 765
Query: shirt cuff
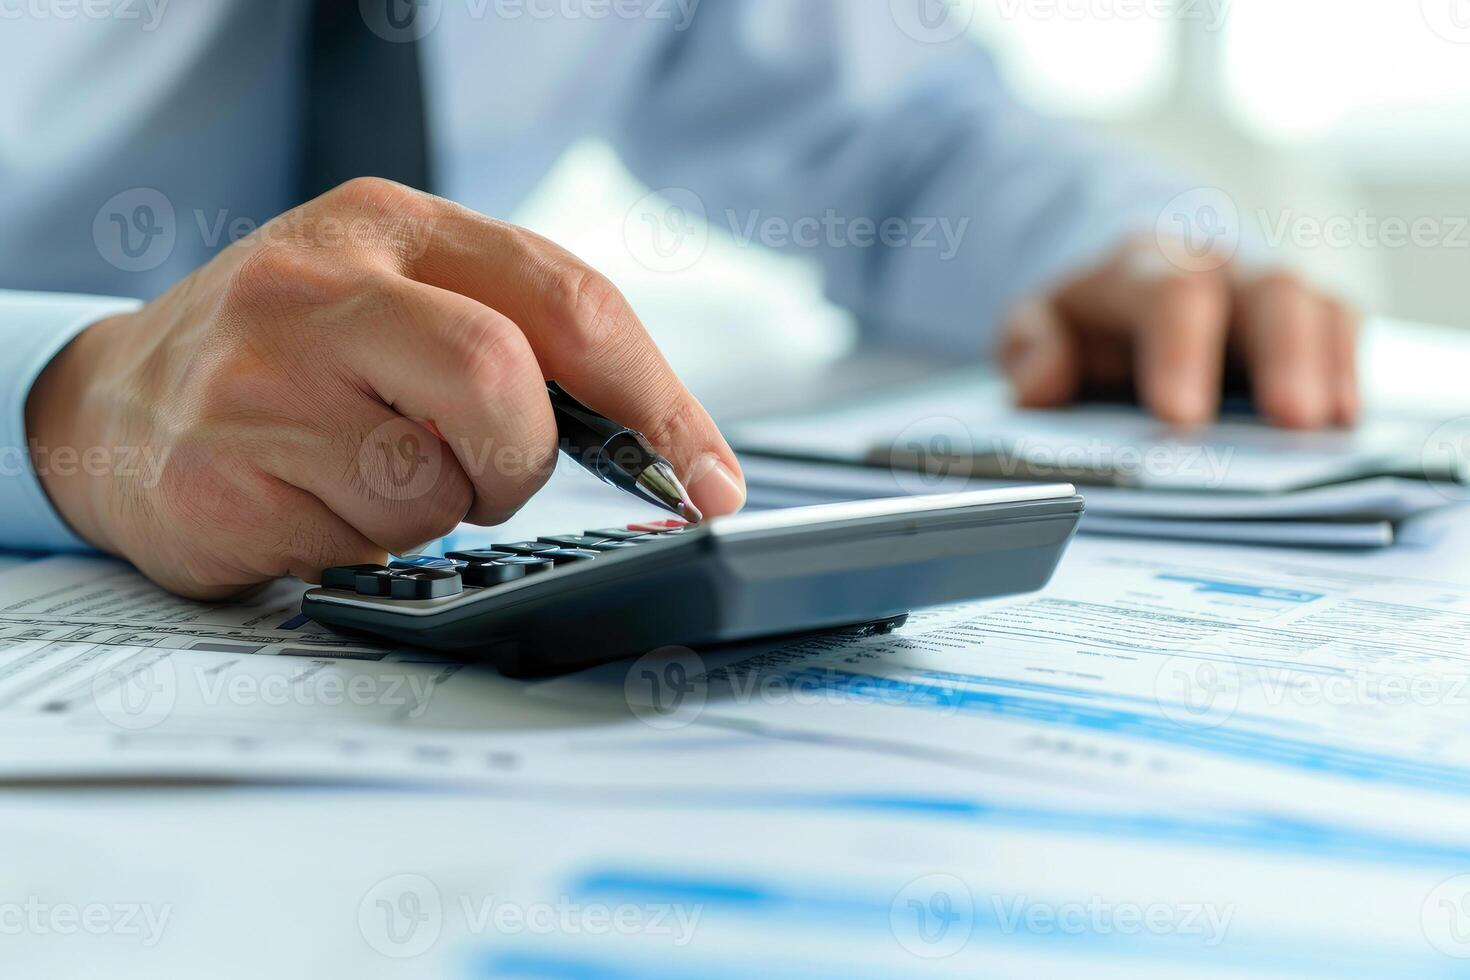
pixel 33 328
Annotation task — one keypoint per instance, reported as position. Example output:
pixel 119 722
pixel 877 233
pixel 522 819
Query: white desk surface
pixel 282 881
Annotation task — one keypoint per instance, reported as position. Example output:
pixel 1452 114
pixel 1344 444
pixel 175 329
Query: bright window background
pixel 1304 70
pixel 1322 108
pixel 1068 62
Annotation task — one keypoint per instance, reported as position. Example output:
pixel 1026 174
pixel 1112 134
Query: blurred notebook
pixel 1236 480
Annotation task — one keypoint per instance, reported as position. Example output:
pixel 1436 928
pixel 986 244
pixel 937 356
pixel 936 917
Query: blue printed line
pixel 1063 690
pixel 527 965
pixel 1263 831
pixel 1252 746
pixel 1206 586
pixel 990 923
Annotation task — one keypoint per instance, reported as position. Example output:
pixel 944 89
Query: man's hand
pixel 355 379
pixel 1139 317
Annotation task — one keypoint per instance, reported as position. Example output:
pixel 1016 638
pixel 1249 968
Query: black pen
pixel 617 455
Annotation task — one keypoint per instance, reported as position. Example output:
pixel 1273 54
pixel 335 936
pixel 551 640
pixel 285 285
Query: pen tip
pixel 659 484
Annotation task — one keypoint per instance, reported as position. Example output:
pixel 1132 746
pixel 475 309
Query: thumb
pixel 1040 356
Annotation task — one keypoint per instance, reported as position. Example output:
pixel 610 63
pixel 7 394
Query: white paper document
pixel 966 417
pixel 1237 680
pixel 784 482
pixel 549 886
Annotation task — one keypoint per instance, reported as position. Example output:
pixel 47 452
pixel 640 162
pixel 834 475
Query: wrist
pixel 65 433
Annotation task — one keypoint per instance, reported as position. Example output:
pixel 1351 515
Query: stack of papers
pixel 1212 761
pixel 1235 481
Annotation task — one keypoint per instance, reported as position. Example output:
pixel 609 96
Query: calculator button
pixel 584 541
pixel 345 576
pixel 485 575
pixel 374 583
pixel 617 534
pixel 570 540
pixel 659 527
pixel 479 556
pixel 431 583
pixel 563 556
pixel 418 562
pixel 530 564
pixel 526 547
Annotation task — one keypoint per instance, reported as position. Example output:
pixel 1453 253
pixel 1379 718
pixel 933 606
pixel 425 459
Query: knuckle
pixel 278 276
pixel 234 386
pixel 488 349
pixel 380 216
pixel 1342 319
pixel 1278 283
pixel 586 308
pixel 514 473
pixel 450 506
pixel 372 194
pixel 437 515
pixel 187 486
pixel 1193 288
pixel 673 424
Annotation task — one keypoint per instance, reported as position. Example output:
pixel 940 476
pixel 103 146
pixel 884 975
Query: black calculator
pixel 568 601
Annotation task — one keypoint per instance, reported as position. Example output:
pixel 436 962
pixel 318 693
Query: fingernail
pixel 1184 405
pixel 1351 402
pixel 715 489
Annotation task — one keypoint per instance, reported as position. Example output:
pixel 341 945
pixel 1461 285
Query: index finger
pixel 585 335
pixel 1182 325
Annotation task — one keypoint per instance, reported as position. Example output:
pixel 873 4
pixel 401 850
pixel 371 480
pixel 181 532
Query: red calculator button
pixel 658 527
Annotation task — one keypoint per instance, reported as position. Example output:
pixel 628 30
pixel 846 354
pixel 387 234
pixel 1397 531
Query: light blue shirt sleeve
pixel 33 328
pixel 891 157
